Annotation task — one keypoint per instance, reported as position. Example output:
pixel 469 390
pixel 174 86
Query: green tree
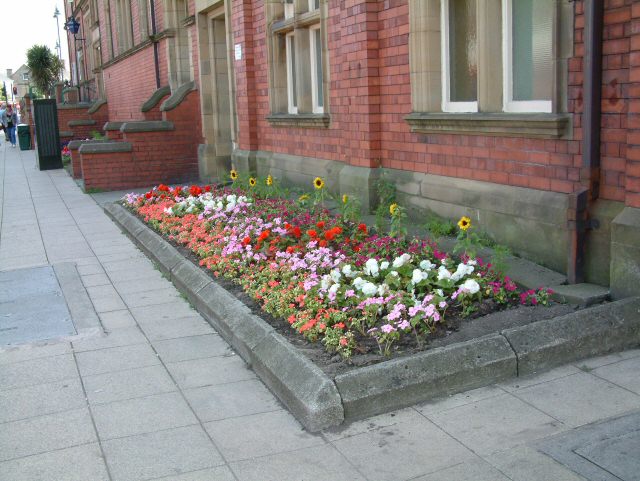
pixel 45 67
pixel 3 92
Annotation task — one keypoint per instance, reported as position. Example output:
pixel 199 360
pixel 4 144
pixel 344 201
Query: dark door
pixel 45 115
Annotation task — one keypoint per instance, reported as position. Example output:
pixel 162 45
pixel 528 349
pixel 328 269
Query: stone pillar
pixel 59 86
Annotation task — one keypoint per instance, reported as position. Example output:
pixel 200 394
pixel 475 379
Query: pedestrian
pixel 3 108
pixel 10 121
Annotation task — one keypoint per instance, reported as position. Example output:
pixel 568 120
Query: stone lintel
pixel 320 121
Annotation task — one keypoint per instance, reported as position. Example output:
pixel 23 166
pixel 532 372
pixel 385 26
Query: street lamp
pixel 73 26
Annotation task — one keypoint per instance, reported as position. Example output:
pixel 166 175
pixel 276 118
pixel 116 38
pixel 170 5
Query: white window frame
pixel 510 105
pixel 317 109
pixel 447 104
pixel 291 95
pixel 312 5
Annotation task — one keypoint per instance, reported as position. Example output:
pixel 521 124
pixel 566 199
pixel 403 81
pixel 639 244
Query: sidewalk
pixel 162 396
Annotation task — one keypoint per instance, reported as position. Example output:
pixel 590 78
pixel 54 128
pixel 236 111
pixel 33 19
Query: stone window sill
pixel 539 125
pixel 317 121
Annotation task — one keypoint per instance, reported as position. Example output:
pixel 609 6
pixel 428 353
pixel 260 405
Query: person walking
pixel 10 121
pixel 3 108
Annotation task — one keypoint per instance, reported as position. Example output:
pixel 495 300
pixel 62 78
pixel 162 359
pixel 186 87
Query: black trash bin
pixel 24 137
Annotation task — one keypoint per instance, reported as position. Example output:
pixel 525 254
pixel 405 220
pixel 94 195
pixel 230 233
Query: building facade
pixel 523 114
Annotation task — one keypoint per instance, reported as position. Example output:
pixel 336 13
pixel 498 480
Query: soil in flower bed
pixel 487 320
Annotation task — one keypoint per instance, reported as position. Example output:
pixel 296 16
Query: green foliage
pixel 3 94
pixel 45 67
pixel 439 227
pixel 350 208
pixel 95 135
pixel 386 191
pixel 398 226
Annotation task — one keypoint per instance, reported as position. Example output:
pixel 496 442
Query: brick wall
pixel 369 97
pixel 632 184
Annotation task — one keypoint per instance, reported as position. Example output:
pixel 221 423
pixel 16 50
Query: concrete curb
pixel 79 304
pixel 319 402
pixel 586 333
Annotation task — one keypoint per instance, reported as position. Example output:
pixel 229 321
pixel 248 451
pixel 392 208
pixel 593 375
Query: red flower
pixel 195 191
pixel 337 230
pixel 177 191
pixel 312 233
pixel 264 235
pixel 246 241
pixel 296 232
pixel 320 224
pixel 340 325
pixel 163 188
pixel 207 188
pixel 362 228
pixel 344 341
pixel 329 235
pixel 322 243
pixel 148 195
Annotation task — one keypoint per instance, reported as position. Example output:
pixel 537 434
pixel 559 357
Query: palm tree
pixel 45 67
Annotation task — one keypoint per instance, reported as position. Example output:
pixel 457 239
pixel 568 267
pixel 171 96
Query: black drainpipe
pixel 591 116
pixel 155 41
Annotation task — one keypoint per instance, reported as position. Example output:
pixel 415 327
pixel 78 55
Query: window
pixel 25 76
pixel 527 53
pixel 297 61
pixel 292 104
pixel 316 70
pixel 124 25
pixel 459 56
pixel 481 66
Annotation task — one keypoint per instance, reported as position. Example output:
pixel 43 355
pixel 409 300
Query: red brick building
pixel 523 114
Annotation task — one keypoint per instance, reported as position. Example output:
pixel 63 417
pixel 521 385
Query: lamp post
pixel 56 14
pixel 72 26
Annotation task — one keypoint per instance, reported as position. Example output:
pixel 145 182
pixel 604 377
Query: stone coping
pixel 156 97
pixel 78 122
pixel 147 126
pixel 113 125
pixel 300 120
pixel 96 106
pixel 105 147
pixel 71 106
pixel 75 144
pixel 319 402
pixel 178 96
pixel 66 133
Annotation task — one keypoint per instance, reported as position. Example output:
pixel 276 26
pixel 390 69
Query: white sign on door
pixel 238 51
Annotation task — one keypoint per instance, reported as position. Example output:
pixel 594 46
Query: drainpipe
pixel 155 42
pixel 579 201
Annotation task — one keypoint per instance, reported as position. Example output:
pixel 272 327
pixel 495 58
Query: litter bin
pixel 24 137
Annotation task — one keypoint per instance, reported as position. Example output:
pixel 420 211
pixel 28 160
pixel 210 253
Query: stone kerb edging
pixel 319 402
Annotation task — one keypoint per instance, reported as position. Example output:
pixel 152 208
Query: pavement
pixel 159 395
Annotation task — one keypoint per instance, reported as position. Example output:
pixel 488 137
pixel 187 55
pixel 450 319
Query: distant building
pixel 21 82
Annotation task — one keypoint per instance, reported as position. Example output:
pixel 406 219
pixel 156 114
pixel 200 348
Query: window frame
pixel 313 54
pixel 447 104
pixel 292 104
pixel 508 104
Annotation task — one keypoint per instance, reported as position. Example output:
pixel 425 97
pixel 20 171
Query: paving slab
pixel 37 371
pixel 192 325
pixel 319 463
pixel 46 433
pixel 221 473
pixel 116 359
pixel 525 463
pixel 26 352
pixel 496 424
pixel 579 399
pixel 80 463
pixel 159 454
pixel 624 373
pixel 142 415
pixel 117 319
pixel 192 347
pixel 405 450
pixel 118 337
pixel 41 399
pixel 582 294
pixel 121 385
pixel 209 371
pixel 242 398
pixel 474 470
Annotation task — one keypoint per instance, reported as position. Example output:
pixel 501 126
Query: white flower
pixel 471 286
pixel 346 270
pixel 462 271
pixel 393 273
pixel 443 273
pixel 168 210
pixel 358 282
pixel 335 275
pixel 369 289
pixel 334 288
pixel 418 276
pixel 400 261
pixel 472 262
pixel 384 265
pixel 440 292
pixel 371 267
pixel 383 289
pixel 326 280
pixel 426 265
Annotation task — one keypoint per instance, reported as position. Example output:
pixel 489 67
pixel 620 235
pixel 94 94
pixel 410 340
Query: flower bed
pixel 327 275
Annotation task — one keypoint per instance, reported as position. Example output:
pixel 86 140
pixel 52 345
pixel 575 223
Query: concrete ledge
pixel 590 332
pixel 177 97
pixel 66 133
pixel 105 147
pixel 75 144
pixel 156 97
pixel 95 106
pixel 81 122
pixel 146 126
pixel 319 402
pixel 300 120
pixel 405 381
pixel 113 125
pixel 71 106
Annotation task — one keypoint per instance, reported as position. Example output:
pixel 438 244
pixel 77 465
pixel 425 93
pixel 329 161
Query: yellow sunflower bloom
pixel 269 180
pixel 252 181
pixel 464 223
pixel 233 174
pixel 393 208
pixel 318 183
pixel 345 198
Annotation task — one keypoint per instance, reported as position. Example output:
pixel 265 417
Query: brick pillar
pixel 632 196
pixel 243 34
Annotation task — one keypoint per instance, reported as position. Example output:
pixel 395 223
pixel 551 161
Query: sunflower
pixel 252 181
pixel 464 223
pixel 345 198
pixel 303 197
pixel 269 180
pixel 393 209
pixel 233 174
pixel 318 183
